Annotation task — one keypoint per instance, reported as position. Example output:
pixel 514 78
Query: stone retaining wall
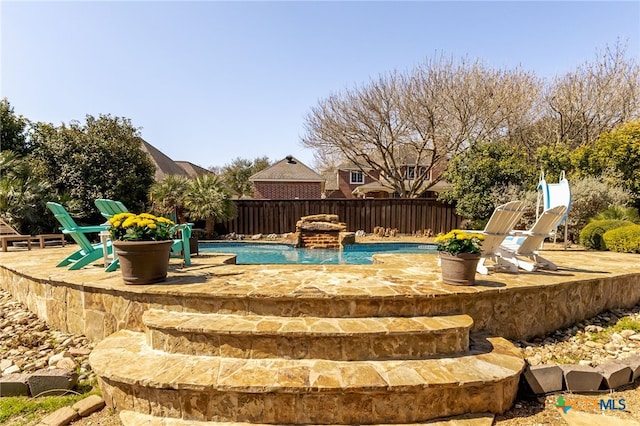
pixel 515 312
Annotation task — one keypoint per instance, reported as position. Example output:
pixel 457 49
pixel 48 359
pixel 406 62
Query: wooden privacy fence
pixel 280 216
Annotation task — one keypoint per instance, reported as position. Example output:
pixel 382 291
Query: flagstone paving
pixel 325 344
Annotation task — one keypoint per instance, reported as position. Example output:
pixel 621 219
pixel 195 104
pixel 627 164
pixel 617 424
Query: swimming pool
pixel 273 253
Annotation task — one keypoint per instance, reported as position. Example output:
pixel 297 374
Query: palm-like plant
pixel 168 196
pixel 619 213
pixel 22 195
pixel 209 200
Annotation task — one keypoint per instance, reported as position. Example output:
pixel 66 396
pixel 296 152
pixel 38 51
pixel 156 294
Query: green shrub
pixel 591 235
pixel 620 213
pixel 590 196
pixel 624 240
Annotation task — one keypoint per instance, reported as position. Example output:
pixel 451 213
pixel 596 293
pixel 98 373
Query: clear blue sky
pixel 211 81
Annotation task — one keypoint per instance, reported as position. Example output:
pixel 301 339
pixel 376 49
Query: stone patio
pixel 332 344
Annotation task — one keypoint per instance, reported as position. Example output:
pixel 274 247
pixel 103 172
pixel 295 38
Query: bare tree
pixel 594 99
pixel 420 118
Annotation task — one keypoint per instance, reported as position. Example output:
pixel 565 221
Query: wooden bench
pixel 41 238
pixel 6 238
pixel 44 237
pixel 8 233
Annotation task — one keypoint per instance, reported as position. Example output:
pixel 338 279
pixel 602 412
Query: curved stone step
pixel 131 418
pixel 253 336
pixel 305 391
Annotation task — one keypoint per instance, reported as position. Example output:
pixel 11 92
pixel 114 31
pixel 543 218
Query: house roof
pixel 192 170
pixel 288 169
pixel 350 165
pixel 164 165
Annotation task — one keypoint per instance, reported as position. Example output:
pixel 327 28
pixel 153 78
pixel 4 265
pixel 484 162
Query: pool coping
pixel 517 306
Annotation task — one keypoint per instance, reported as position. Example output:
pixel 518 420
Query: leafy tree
pixel 101 158
pixel 483 169
pixel 618 154
pixel 13 130
pixel 554 158
pixel 169 196
pixel 236 175
pixel 22 195
pixel 209 200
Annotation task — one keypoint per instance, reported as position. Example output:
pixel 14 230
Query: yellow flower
pixel 121 216
pixel 129 222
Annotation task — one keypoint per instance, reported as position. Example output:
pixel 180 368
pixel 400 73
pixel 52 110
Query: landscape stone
pixel 89 405
pixel 5 363
pixel 60 417
pixel 67 364
pixel 615 374
pixel 544 378
pixel 581 378
pixel 14 385
pixel 320 218
pixel 347 238
pixel 11 370
pixel 80 351
pixel 57 357
pixel 321 226
pixel 48 382
pixel 634 364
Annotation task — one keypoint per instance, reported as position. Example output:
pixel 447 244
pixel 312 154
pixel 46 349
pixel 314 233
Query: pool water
pixel 272 253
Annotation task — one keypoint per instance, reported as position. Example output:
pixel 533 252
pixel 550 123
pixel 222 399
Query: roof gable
pixel 288 169
pixel 193 170
pixel 164 165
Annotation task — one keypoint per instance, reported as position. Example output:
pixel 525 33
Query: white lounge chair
pixel 499 226
pixel 526 243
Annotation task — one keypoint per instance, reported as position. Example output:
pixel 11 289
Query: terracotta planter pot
pixel 143 262
pixel 459 269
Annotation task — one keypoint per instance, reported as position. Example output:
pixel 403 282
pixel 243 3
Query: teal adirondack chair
pixel 88 252
pixel 108 208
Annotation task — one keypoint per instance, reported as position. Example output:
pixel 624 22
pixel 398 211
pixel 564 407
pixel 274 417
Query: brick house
pixel 349 181
pixel 287 179
pixel 352 181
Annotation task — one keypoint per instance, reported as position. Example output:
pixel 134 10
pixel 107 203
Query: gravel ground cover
pixel 612 334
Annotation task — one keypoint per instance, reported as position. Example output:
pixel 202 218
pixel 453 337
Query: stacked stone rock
pixel 35 360
pixel 322 231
